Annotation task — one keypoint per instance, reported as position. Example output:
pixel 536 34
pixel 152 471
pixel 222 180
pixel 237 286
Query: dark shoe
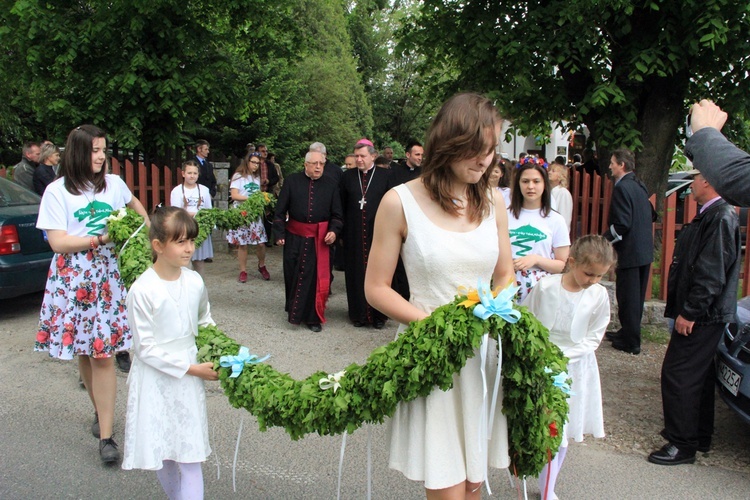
pixel 611 336
pixel 80 383
pixel 669 454
pixel 123 361
pixel 315 328
pixel 704 446
pixel 358 324
pixel 95 426
pixel 208 260
pixel 264 272
pixel 378 325
pixel 628 349
pixel 108 450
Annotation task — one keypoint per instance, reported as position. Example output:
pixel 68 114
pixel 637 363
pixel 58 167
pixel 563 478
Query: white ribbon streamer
pixel 236 450
pixel 483 427
pixel 341 465
pixel 131 236
pixel 369 463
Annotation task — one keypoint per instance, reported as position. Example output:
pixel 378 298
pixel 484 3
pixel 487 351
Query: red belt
pixel 322 253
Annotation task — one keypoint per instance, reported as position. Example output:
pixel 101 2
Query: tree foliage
pixel 147 71
pixel 625 69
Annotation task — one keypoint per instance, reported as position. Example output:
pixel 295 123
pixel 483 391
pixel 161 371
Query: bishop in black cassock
pixel 313 206
pixel 361 188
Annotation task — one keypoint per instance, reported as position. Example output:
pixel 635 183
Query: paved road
pixel 47 451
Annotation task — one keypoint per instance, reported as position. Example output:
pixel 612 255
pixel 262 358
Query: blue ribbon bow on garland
pixel 239 361
pixel 502 305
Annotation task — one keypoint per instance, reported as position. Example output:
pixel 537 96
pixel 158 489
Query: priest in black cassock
pixel 313 206
pixel 361 188
pixel 404 172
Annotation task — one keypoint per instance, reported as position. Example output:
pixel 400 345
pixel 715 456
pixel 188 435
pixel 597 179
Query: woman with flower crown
pixel 451 230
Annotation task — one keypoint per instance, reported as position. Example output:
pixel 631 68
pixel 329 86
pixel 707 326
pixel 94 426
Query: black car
pixel 733 363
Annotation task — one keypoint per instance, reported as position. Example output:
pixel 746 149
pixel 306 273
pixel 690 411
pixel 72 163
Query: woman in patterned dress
pixel 245 182
pixel 83 311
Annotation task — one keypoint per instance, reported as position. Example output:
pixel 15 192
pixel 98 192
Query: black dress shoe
pixel 122 359
pixel 209 260
pixel 611 336
pixel 669 454
pixel 704 446
pixel 315 328
pixel 358 324
pixel 624 348
pixel 378 325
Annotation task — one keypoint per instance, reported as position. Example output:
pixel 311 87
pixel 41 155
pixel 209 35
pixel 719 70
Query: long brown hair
pixel 463 128
pixel 243 170
pixel 75 165
pixel 516 196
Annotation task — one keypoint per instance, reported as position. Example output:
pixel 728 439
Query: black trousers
pixel 630 291
pixel 688 387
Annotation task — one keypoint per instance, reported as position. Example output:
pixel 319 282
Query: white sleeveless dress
pixel 436 439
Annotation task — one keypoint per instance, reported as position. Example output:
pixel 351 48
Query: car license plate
pixel 729 378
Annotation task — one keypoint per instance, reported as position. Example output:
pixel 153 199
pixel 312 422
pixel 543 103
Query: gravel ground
pixel 254 314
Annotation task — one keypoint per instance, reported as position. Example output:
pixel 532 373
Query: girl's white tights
pixel 181 481
pixel 553 469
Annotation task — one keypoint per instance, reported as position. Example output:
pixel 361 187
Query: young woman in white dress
pixel 575 309
pixel 166 427
pixel 561 197
pixel 450 228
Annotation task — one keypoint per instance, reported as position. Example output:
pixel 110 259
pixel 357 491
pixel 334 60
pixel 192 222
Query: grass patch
pixel 655 334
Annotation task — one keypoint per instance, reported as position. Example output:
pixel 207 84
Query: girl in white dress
pixel 451 229
pixel 83 312
pixel 245 182
pixel 166 427
pixel 539 236
pixel 561 197
pixel 193 197
pixel 575 309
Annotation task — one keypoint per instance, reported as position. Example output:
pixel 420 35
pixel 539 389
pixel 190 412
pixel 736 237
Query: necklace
pixel 185 200
pixel 91 202
pixel 171 285
pixel 362 189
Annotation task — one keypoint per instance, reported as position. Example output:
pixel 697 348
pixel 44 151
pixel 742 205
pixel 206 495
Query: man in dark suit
pixel 630 222
pixel 206 175
pixel 701 299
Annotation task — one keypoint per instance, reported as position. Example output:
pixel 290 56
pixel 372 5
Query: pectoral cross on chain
pixel 362 203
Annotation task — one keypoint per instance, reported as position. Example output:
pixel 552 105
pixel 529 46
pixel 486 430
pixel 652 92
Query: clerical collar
pixel 365 171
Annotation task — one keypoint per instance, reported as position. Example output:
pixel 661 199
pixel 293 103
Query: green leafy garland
pixel 135 257
pixel 422 359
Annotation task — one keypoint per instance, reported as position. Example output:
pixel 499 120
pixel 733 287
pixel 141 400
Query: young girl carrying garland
pixel 166 427
pixel 538 235
pixel 575 309
pixel 83 311
pixel 193 197
pixel 246 181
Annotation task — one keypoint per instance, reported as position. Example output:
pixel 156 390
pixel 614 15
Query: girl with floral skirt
pixel 83 311
pixel 245 182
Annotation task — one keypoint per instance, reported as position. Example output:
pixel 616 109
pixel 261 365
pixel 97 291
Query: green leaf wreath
pixel 423 358
pixel 130 235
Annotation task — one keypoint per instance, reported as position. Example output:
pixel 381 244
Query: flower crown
pixel 534 160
